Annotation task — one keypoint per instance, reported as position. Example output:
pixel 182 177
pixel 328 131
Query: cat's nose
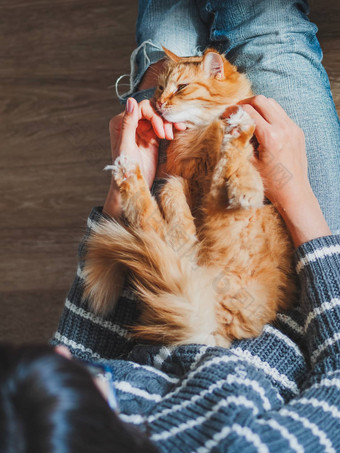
pixel 160 104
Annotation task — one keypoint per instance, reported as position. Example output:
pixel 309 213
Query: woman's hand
pixel 282 160
pixel 282 163
pixel 137 133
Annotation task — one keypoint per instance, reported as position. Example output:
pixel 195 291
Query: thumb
pixel 129 124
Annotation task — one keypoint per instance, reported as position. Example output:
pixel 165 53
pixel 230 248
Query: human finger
pixel 169 135
pixel 64 351
pixel 114 128
pixel 277 106
pixel 144 127
pixel 145 133
pixel 263 106
pixel 282 117
pixel 261 125
pixel 147 112
pixel 180 126
pixel 129 124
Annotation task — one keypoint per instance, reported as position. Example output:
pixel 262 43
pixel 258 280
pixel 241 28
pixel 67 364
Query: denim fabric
pixel 275 44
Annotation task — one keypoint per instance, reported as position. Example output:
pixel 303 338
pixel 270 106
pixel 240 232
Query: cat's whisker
pixel 153 70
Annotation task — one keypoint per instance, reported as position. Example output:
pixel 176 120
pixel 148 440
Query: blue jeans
pixel 275 44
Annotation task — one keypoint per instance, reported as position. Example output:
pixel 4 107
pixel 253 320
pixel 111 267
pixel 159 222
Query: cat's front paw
pixel 123 169
pixel 238 125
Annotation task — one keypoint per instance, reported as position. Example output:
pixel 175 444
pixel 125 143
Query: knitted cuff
pixel 87 335
pixel 95 216
pixel 318 268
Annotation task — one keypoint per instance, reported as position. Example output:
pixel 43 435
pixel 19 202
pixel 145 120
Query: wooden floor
pixel 58 61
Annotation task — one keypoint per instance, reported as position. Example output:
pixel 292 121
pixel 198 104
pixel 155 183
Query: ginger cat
pixel 209 260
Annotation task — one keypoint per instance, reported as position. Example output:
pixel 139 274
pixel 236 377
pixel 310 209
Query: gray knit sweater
pixel 278 392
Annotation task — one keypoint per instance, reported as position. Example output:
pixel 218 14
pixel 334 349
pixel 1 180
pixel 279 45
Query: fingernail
pixel 129 105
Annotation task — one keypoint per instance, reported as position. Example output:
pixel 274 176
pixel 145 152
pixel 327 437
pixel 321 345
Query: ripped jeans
pixel 275 44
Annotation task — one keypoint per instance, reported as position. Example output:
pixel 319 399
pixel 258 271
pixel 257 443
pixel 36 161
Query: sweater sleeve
pixel 311 421
pixel 89 336
pixel 318 268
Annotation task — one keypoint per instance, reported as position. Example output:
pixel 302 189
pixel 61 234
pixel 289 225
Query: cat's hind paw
pixel 247 199
pixel 122 169
pixel 246 192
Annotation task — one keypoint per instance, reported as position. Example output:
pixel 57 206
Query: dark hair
pixel 49 404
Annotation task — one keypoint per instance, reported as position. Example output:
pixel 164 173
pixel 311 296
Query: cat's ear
pixel 171 55
pixel 213 65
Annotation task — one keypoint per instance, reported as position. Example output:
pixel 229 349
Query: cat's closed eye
pixel 181 86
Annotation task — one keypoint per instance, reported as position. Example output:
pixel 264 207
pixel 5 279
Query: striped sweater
pixel 278 392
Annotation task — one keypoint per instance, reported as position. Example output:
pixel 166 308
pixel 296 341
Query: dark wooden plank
pixel 29 316
pixel 52 195
pixel 327 17
pixel 36 258
pixel 58 61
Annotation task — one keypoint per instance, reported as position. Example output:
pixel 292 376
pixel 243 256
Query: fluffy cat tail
pixel 177 296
